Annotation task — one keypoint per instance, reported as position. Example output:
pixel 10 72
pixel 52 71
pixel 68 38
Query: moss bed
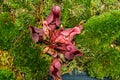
pixel 22 59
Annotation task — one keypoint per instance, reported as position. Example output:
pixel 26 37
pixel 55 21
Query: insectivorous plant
pixel 59 41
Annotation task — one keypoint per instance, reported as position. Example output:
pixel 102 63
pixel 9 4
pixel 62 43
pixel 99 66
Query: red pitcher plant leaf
pixel 36 33
pixel 55 69
pixel 58 41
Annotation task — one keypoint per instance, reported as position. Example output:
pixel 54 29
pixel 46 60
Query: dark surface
pixel 77 76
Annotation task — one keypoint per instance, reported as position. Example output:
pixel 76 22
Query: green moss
pixel 8 31
pixel 100 6
pixel 100 39
pixel 15 37
pixel 97 38
pixel 73 11
pixel 24 19
pixel 1 1
pixel 6 74
pixel 27 57
pixel 118 41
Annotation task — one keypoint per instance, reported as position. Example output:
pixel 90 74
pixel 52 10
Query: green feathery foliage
pixel 27 57
pixel 73 11
pixel 26 54
pixel 15 37
pixel 100 40
pixel 6 74
pixel 8 32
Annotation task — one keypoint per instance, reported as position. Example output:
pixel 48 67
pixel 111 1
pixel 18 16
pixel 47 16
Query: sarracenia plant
pixel 59 41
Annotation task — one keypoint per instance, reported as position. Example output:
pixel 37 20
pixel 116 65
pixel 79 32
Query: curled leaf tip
pixel 55 69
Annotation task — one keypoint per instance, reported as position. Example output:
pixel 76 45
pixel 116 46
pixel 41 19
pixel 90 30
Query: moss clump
pixel 100 6
pixel 102 55
pixel 73 11
pixel 8 32
pixel 27 59
pixel 15 38
pixel 6 74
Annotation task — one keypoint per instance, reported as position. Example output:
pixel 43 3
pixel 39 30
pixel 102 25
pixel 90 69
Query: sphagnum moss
pixel 17 41
pixel 100 36
pixel 27 59
pixel 90 41
pixel 8 31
